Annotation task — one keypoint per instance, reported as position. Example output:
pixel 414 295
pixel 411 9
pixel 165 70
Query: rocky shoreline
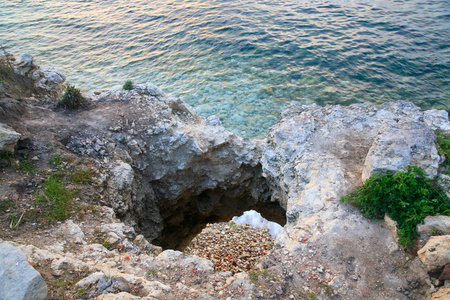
pixel 157 166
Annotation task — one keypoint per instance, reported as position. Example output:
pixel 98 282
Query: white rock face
pixel 48 79
pixel 314 155
pixel 317 154
pixel 24 64
pixel 400 144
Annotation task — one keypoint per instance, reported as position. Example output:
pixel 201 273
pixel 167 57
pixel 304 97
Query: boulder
pixel 8 138
pixel 49 79
pixel 434 225
pixel 24 64
pixel 19 280
pixel 400 144
pixel 72 232
pixel 119 229
pixel 65 264
pixel 90 280
pixel 120 187
pixel 442 294
pixel 436 253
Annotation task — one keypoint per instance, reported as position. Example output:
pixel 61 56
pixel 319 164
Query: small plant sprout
pixel 56 161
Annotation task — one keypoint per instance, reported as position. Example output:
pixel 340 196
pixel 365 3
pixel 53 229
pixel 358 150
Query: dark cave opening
pixel 192 215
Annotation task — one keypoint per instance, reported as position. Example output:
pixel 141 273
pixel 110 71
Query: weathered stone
pixel 24 64
pixel 144 245
pixel 19 280
pixel 120 229
pixel 127 246
pixel 400 144
pixel 95 252
pixel 392 225
pixel 184 261
pixel 104 285
pixel 90 280
pixel 314 155
pixel 72 231
pixel 149 89
pixel 49 79
pixel 155 288
pixel 442 294
pixel 120 187
pixel 434 225
pixel 436 253
pixel 36 255
pixel 120 284
pixel 8 138
pixel 65 264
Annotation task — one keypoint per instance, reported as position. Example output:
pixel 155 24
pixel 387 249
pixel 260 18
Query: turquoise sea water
pixel 244 60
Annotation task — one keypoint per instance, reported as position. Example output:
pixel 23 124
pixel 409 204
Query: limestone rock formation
pixel 48 80
pixel 167 172
pixel 314 155
pixel 170 171
pixel 19 280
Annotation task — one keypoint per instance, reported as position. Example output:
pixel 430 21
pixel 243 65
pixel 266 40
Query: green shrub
pixel 128 85
pixel 72 98
pixel 55 198
pixel 407 197
pixel 443 140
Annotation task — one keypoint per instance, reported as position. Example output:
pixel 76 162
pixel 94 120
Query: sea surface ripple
pixel 244 60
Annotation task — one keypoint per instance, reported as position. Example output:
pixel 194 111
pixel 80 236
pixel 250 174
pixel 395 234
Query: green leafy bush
pixel 72 98
pixel 407 197
pixel 128 85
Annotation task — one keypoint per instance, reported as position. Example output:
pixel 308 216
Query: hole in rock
pixel 183 222
pixel 238 245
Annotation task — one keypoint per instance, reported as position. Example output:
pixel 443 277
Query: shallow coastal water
pixel 244 60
